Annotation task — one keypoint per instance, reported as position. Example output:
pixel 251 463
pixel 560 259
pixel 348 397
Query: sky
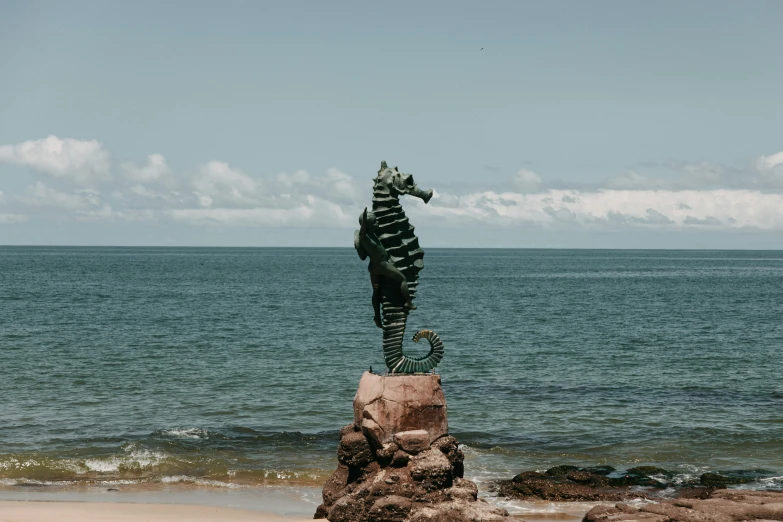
pixel 562 124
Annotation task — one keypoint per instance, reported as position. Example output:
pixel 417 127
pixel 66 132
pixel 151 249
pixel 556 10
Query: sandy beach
pixel 46 511
pixel 59 511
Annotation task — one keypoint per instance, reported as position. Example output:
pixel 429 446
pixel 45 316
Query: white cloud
pixel 334 186
pixel 526 180
pixel 223 185
pixel 770 162
pixel 6 219
pixel 700 196
pixel 41 196
pixel 80 161
pixel 156 169
pixel 313 212
pixel 729 209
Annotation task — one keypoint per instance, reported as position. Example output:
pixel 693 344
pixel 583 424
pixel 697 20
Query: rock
pixel 449 446
pixel 398 403
pixel 615 514
pixel 345 430
pixel 722 506
pixel 597 483
pixel 354 450
pixel 462 490
pixel 694 492
pixel 721 481
pixel 586 478
pixel 386 453
pixel 649 471
pixel 601 470
pixel 373 432
pixel 400 459
pixel 388 474
pixel 321 512
pixel 336 483
pixel 433 469
pixel 392 508
pixel 713 480
pixel 561 471
pixel 412 442
pixel 749 496
pixel 460 511
pixel 531 485
pixel 348 509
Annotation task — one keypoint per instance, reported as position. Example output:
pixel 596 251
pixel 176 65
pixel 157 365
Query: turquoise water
pixel 237 367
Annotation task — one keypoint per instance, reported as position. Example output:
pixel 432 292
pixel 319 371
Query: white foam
pixel 180 479
pixel 186 433
pixel 103 466
pixel 135 459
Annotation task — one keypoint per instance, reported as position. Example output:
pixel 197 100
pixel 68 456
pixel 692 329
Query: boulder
pixel 412 442
pixel 721 506
pixel 433 469
pixel 354 450
pixel 396 403
pixel 392 508
pixel 397 462
pixel 585 486
pixel 334 486
pixel 597 483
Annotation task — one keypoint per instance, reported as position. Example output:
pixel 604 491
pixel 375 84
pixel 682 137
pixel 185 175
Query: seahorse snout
pixel 424 195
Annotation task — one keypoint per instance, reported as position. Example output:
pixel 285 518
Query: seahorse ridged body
pixel 396 234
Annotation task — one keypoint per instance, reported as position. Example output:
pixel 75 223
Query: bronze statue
pixel 368 245
pixel 387 238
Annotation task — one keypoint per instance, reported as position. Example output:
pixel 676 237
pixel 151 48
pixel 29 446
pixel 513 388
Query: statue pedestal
pixel 385 405
pixel 397 462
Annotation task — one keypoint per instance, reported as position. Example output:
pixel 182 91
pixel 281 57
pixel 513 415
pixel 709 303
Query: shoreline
pixel 268 504
pixel 281 502
pixel 76 511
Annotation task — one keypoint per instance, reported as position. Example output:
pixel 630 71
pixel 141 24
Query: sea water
pixel 235 368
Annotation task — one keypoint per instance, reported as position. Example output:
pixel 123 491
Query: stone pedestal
pixel 397 462
pixel 385 405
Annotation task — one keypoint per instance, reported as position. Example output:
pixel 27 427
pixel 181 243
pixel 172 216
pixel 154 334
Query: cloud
pixel 334 186
pixel 83 162
pixel 314 212
pixel 765 173
pixel 218 183
pixel 650 217
pixel 608 209
pixel 632 180
pixel 156 169
pixel 6 219
pixel 765 163
pixel 526 180
pixel 708 221
pixel 688 197
pixel 41 196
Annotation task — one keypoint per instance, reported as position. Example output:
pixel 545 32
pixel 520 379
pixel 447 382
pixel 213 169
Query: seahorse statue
pixel 398 245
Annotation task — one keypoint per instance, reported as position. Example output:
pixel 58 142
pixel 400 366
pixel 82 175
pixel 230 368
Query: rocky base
pixel 604 483
pixel 723 505
pixel 406 480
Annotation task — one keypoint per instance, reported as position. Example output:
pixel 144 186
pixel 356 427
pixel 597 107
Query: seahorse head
pixel 398 183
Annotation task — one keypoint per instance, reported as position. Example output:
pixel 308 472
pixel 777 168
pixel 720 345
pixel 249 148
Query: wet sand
pixel 180 503
pixel 56 511
pixel 45 511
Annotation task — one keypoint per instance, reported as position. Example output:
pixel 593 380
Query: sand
pixel 46 511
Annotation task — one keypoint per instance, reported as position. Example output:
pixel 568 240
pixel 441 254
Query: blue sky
pixel 579 124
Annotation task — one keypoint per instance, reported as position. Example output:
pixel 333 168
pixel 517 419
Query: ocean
pixel 235 368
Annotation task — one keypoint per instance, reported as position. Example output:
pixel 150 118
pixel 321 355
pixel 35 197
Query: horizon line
pixel 428 248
